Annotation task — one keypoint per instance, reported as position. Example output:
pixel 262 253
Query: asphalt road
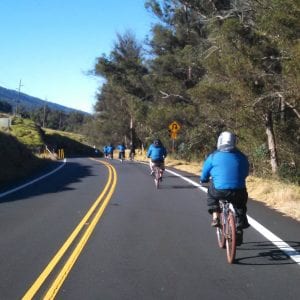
pixel 98 229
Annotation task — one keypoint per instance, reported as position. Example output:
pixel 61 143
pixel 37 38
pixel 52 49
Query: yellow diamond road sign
pixel 174 126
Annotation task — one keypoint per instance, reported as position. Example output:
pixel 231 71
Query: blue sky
pixel 50 45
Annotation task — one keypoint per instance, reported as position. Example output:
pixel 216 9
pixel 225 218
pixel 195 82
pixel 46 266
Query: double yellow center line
pixel 91 219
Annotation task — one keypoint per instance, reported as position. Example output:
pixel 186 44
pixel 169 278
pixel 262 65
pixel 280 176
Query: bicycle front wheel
pixel 221 232
pixel 230 238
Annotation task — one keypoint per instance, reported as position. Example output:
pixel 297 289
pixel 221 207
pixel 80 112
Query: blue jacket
pixel 156 153
pixel 110 149
pixel 227 169
pixel 121 148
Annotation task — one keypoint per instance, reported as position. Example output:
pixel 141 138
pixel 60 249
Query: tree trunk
pixel 271 142
pixel 189 73
pixel 282 109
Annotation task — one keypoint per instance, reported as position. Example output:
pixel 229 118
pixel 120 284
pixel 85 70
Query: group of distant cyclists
pixel 108 151
pixel 225 169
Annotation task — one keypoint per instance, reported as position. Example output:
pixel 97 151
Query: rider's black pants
pixel 121 153
pixel 238 197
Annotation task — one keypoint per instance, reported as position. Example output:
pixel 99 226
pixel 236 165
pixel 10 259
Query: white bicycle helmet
pixel 226 141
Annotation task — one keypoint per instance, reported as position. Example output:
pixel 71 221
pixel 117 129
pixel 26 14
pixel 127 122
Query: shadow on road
pixel 266 253
pixel 194 177
pixel 183 186
pixel 61 181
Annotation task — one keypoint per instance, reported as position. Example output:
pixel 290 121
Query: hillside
pixel 17 147
pixel 29 102
pixel 22 149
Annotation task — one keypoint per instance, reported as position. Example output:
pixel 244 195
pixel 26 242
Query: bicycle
pixel 157 172
pixel 227 231
pixel 121 156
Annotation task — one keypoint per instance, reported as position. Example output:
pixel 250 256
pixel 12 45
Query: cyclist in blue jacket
pixel 228 168
pixel 157 154
pixel 110 151
pixel 105 151
pixel 121 149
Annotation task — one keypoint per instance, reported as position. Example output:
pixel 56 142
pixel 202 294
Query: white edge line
pixel 279 243
pixel 33 181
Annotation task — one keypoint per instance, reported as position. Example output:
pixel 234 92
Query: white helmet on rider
pixel 226 141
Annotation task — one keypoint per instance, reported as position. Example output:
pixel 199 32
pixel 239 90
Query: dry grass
pixel 276 194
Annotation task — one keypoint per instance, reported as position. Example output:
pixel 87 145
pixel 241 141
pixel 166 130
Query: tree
pixel 5 107
pixel 124 73
pixel 211 66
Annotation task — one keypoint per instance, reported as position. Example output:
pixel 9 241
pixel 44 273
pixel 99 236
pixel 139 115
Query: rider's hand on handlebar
pixel 204 183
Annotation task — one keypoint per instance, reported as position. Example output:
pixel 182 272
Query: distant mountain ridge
pixel 29 102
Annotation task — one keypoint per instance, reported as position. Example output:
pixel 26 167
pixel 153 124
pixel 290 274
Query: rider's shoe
pixel 215 222
pixel 243 225
pixel 239 237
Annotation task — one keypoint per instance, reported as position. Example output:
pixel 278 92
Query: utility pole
pixel 59 124
pixel 44 114
pixel 19 94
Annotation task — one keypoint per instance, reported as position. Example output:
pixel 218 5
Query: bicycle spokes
pixel 221 232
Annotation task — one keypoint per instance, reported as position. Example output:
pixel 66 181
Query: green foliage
pixel 27 132
pixel 5 107
pixel 54 119
pixel 213 66
pixel 289 172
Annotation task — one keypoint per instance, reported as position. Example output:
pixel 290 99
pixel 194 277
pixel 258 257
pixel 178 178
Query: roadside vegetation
pixel 47 117
pixel 23 148
pixel 74 144
pixel 27 132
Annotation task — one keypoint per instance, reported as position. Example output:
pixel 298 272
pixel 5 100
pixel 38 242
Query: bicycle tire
pixel 230 238
pixel 221 232
pixel 156 177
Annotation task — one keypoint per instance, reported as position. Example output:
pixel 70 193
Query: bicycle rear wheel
pixel 221 232
pixel 230 238
pixel 156 177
